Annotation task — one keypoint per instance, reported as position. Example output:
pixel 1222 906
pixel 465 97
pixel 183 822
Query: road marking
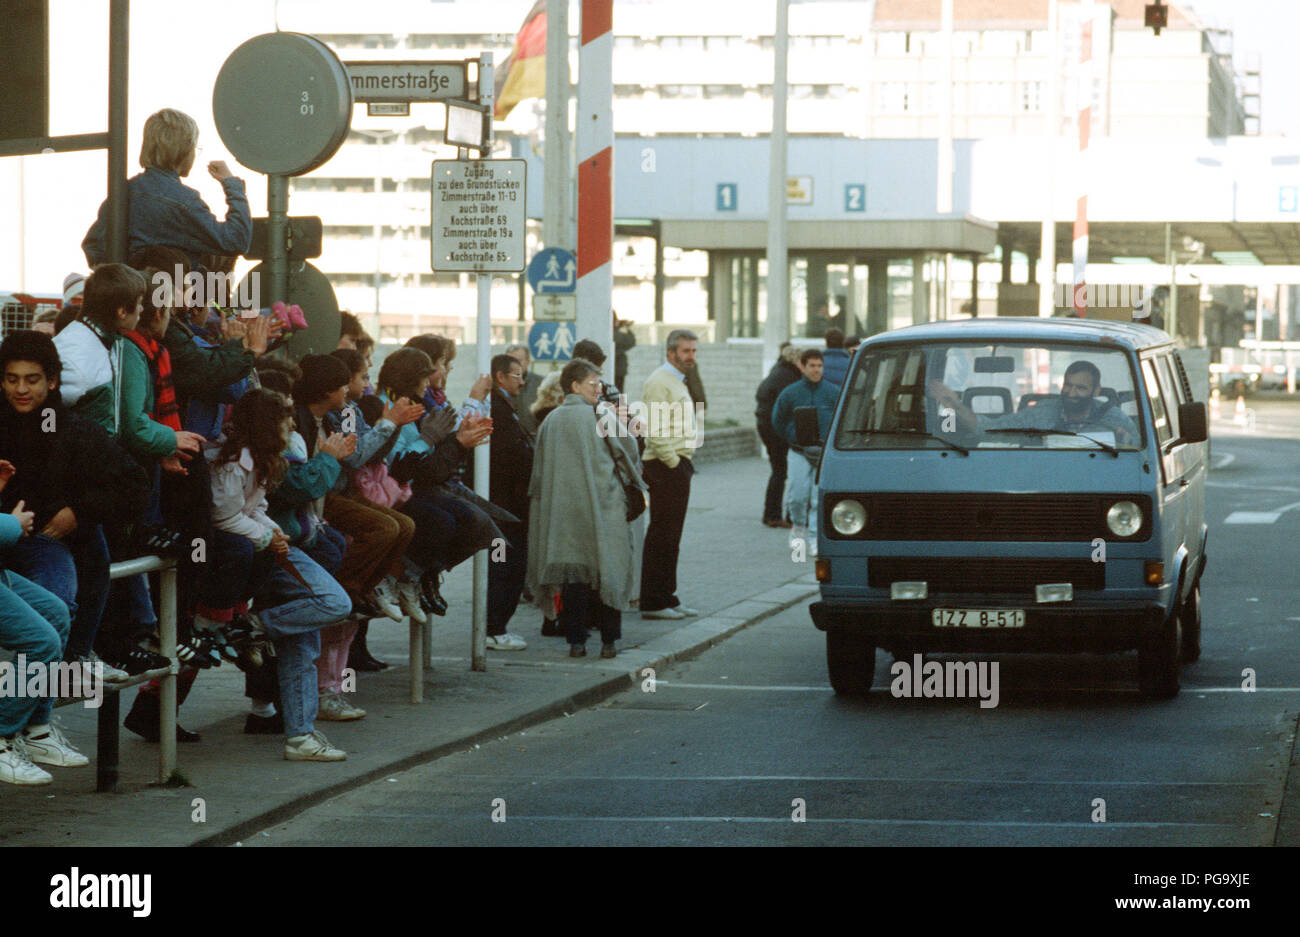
pixel 1290 491
pixel 1026 689
pixel 788 778
pixel 860 821
pixel 1252 517
pixel 741 686
pixel 1259 517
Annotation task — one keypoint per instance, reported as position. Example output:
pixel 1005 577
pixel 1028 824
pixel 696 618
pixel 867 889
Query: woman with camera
pixel 585 491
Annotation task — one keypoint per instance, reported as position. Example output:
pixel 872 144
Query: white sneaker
pixel 408 597
pixel 686 611
pixel 506 642
pixel 385 598
pixel 334 708
pixel 48 746
pixel 664 614
pixel 111 674
pixel 16 767
pixel 312 747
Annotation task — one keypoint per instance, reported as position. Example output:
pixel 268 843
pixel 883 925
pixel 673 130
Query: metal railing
pixel 109 719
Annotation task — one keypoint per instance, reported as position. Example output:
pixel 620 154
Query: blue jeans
pixel 801 493
pixel 233 572
pixel 76 570
pixel 34 622
pixel 293 615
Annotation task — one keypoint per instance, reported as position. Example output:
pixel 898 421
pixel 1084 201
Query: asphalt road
pixel 738 746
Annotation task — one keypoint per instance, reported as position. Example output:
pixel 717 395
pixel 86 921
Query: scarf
pixel 165 409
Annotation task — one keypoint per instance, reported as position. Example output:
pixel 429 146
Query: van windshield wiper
pixel 908 432
pixel 1033 431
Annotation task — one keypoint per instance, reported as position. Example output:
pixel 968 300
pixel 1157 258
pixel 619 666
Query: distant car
pixel 1013 485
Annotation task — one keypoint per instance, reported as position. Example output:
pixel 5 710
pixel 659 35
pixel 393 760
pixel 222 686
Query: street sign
pixel 282 103
pixel 855 197
pixel 799 190
pixel 551 341
pixel 726 197
pixel 478 215
pixel 388 109
pixel 555 307
pixel 406 81
pixel 552 271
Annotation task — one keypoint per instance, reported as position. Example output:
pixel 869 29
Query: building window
pixel 724 91
pixel 680 91
pixel 895 97
pixel 1031 96
pixel 990 97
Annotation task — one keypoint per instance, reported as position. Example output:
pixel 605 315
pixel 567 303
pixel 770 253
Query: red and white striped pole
pixel 595 150
pixel 1085 127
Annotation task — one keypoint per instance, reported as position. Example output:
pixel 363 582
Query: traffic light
pixel 1157 16
pixel 24 79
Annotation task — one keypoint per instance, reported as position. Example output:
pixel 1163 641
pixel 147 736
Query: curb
pixel 695 639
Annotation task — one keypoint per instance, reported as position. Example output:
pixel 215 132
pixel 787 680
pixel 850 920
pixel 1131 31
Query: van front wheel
pixel 1160 660
pixel 851 660
pixel 1192 626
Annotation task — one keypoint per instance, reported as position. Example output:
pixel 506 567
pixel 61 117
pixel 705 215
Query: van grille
pixel 983 574
pixel 987 517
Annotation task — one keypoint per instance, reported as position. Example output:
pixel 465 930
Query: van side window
pixel 1159 416
pixel 1169 384
pixel 1182 378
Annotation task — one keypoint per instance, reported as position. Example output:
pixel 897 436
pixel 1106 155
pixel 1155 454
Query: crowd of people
pixel 300 500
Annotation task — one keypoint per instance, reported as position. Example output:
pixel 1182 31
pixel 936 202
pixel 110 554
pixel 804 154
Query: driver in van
pixel 1077 409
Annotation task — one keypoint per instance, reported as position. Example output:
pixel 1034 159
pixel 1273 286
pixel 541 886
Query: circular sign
pixel 282 103
pixel 311 290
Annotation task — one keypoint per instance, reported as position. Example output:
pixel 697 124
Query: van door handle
pixel 1182 483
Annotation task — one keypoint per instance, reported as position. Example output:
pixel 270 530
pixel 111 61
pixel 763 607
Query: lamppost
pixel 379 136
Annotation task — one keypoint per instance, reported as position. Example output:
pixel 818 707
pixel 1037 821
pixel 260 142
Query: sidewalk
pixel 732 568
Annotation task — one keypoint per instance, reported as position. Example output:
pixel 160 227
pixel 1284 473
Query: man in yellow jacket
pixel 671 439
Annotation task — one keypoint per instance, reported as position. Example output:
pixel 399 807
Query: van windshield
pixel 1006 396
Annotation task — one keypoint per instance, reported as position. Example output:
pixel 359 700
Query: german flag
pixel 523 73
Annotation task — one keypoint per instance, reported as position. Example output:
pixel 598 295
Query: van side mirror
pixel 806 430
pixel 1192 422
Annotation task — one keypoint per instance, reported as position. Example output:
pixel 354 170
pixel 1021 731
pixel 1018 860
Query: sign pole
pixel 777 327
pixel 482 454
pixel 555 202
pixel 595 139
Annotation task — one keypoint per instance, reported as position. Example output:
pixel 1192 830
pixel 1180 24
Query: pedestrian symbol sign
pixel 553 271
pixel 551 341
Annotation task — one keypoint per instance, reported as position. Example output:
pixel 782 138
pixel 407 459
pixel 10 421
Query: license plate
pixel 978 617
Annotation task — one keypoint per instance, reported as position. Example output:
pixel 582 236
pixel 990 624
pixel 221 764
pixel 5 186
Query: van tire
pixel 851 662
pixel 1160 660
pixel 1192 626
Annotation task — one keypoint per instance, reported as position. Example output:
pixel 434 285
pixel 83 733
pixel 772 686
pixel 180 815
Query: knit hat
pixel 321 375
pixel 73 286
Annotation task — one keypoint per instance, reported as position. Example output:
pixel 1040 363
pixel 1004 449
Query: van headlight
pixel 848 517
pixel 1124 518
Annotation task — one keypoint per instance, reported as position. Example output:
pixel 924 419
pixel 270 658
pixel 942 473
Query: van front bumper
pixel 1080 625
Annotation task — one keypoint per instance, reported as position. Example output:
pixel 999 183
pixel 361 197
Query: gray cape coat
pixel 577 529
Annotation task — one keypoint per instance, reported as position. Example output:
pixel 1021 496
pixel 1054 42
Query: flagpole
pixel 556 197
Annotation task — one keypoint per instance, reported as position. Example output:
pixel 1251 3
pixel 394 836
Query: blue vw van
pixel 1000 485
